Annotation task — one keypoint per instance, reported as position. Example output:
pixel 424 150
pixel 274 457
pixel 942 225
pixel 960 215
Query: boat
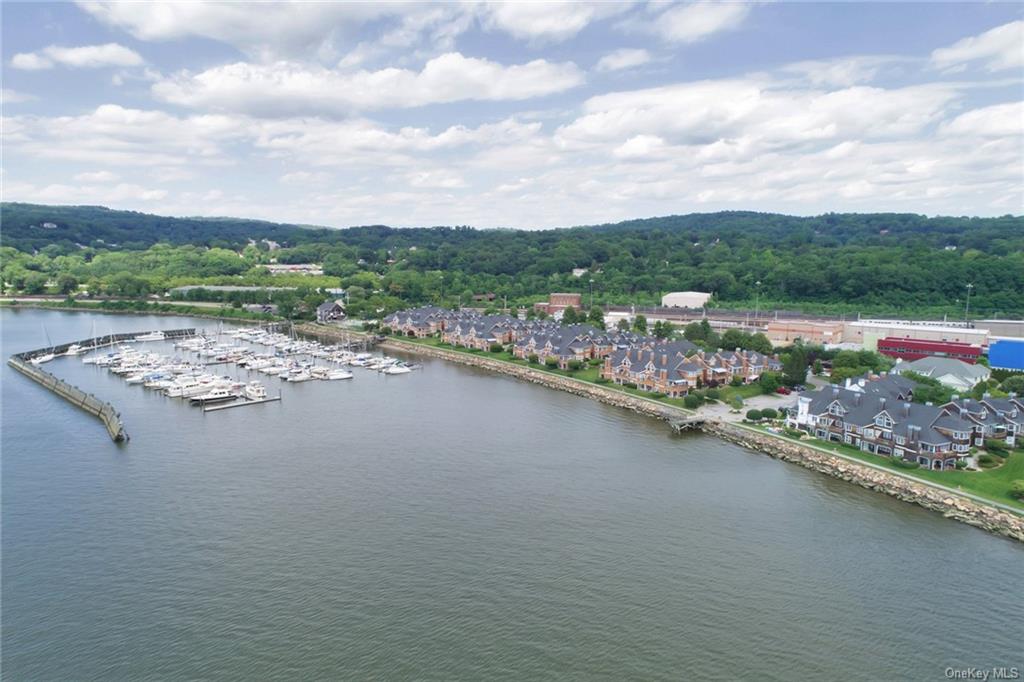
pixel 297 376
pixel 217 395
pixel 40 359
pixel 254 390
pixel 396 369
pixel 151 336
pixel 76 349
pixel 337 374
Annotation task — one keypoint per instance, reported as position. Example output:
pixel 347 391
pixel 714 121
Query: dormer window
pixel 883 421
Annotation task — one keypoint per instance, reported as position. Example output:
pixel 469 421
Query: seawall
pixel 100 409
pixel 949 503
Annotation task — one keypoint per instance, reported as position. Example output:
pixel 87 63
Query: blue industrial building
pixel 1006 354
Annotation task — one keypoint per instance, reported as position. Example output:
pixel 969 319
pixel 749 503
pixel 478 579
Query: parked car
pixel 799 388
pixel 782 390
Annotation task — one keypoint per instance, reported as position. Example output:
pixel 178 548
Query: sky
pixel 525 115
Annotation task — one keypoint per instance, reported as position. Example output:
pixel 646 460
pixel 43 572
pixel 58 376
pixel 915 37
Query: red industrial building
pixel 914 349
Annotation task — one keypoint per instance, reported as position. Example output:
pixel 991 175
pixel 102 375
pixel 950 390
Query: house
pixel 556 303
pixel 932 436
pixel 956 374
pixel 330 311
pixel 995 418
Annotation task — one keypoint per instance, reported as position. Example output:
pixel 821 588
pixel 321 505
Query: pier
pixel 100 409
pixel 241 403
pixel 682 424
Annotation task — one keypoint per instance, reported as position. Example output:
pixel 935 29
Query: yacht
pixel 254 390
pixel 396 369
pixel 217 395
pixel 295 376
pixel 337 374
pixel 76 349
pixel 151 336
pixel 40 359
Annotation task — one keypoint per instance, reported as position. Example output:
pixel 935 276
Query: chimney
pixel 906 409
pixel 986 396
pixel 835 391
pixel 881 403
pixel 856 398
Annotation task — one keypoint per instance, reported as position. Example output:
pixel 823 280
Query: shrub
pixel 551 361
pixel 995 446
pixel 575 365
pixel 736 381
pixel 533 359
pixel 596 362
pixel 960 464
pixel 986 461
pixel 692 402
pixel 794 433
pixel 497 348
pixel 754 415
pixel 769 382
pixel 904 464
pixel 737 403
pixel 629 384
pixel 1017 489
pixel 712 394
pixel 769 413
pixel 601 380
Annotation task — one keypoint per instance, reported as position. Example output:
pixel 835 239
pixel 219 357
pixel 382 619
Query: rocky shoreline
pixel 950 505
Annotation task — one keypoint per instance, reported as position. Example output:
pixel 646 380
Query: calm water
pixel 455 525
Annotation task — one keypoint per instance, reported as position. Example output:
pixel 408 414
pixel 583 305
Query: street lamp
pixel 591 292
pixel 757 300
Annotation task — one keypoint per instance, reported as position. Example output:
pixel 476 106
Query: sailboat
pixel 48 355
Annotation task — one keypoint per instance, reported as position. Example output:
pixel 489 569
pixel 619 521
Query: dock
pixel 679 425
pixel 241 403
pixel 102 410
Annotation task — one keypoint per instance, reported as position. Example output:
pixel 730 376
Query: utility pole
pixel 967 308
pixel 591 292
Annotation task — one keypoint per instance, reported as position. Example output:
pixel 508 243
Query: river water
pixel 451 524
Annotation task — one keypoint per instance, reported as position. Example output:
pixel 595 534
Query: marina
pixel 184 372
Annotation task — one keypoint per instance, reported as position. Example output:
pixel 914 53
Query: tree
pixel 551 361
pixel 769 382
pixel 34 283
pixel 596 317
pixel 575 365
pixel 692 402
pixel 622 325
pixel 640 324
pixel 663 329
pixel 760 343
pixel 496 348
pixel 754 415
pixel 769 413
pixel 1013 384
pixel 533 359
pixel 569 316
pixel 67 284
pixel 693 332
pixel 794 367
pixel 817 367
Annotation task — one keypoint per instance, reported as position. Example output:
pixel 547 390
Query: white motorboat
pixel 40 359
pixel 338 374
pixel 254 390
pixel 217 395
pixel 76 349
pixel 296 377
pixel 396 369
pixel 151 336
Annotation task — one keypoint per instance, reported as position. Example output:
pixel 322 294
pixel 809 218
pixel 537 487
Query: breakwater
pixel 949 503
pixel 100 409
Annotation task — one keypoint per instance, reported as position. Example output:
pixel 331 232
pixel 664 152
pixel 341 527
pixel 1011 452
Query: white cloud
pixel 548 21
pixel 92 194
pixel 8 96
pixel 436 179
pixel 115 135
pixel 691 22
pixel 999 48
pixel 288 87
pixel 97 176
pixel 843 71
pixel 84 57
pixel 305 179
pixel 626 58
pixel 1000 120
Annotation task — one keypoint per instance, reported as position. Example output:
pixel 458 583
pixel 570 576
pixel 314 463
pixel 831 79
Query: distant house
pixel 49 226
pixel 685 299
pixel 330 311
pixel 956 374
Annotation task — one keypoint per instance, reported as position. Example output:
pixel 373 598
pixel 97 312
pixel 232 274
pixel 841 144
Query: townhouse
pixel 994 418
pixel 877 422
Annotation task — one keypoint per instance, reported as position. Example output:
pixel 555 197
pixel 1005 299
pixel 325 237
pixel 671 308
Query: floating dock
pixel 240 403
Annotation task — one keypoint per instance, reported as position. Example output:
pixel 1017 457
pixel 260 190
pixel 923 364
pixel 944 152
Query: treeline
pixel 870 262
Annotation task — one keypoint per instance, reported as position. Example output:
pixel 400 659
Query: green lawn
pixel 727 393
pixel 993 484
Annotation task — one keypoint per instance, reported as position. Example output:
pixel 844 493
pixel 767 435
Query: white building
pixel 868 332
pixel 951 372
pixel 685 299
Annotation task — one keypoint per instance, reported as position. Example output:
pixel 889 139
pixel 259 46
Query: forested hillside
pixel 899 262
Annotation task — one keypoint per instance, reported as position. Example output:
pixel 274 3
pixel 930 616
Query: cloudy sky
pixel 519 114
